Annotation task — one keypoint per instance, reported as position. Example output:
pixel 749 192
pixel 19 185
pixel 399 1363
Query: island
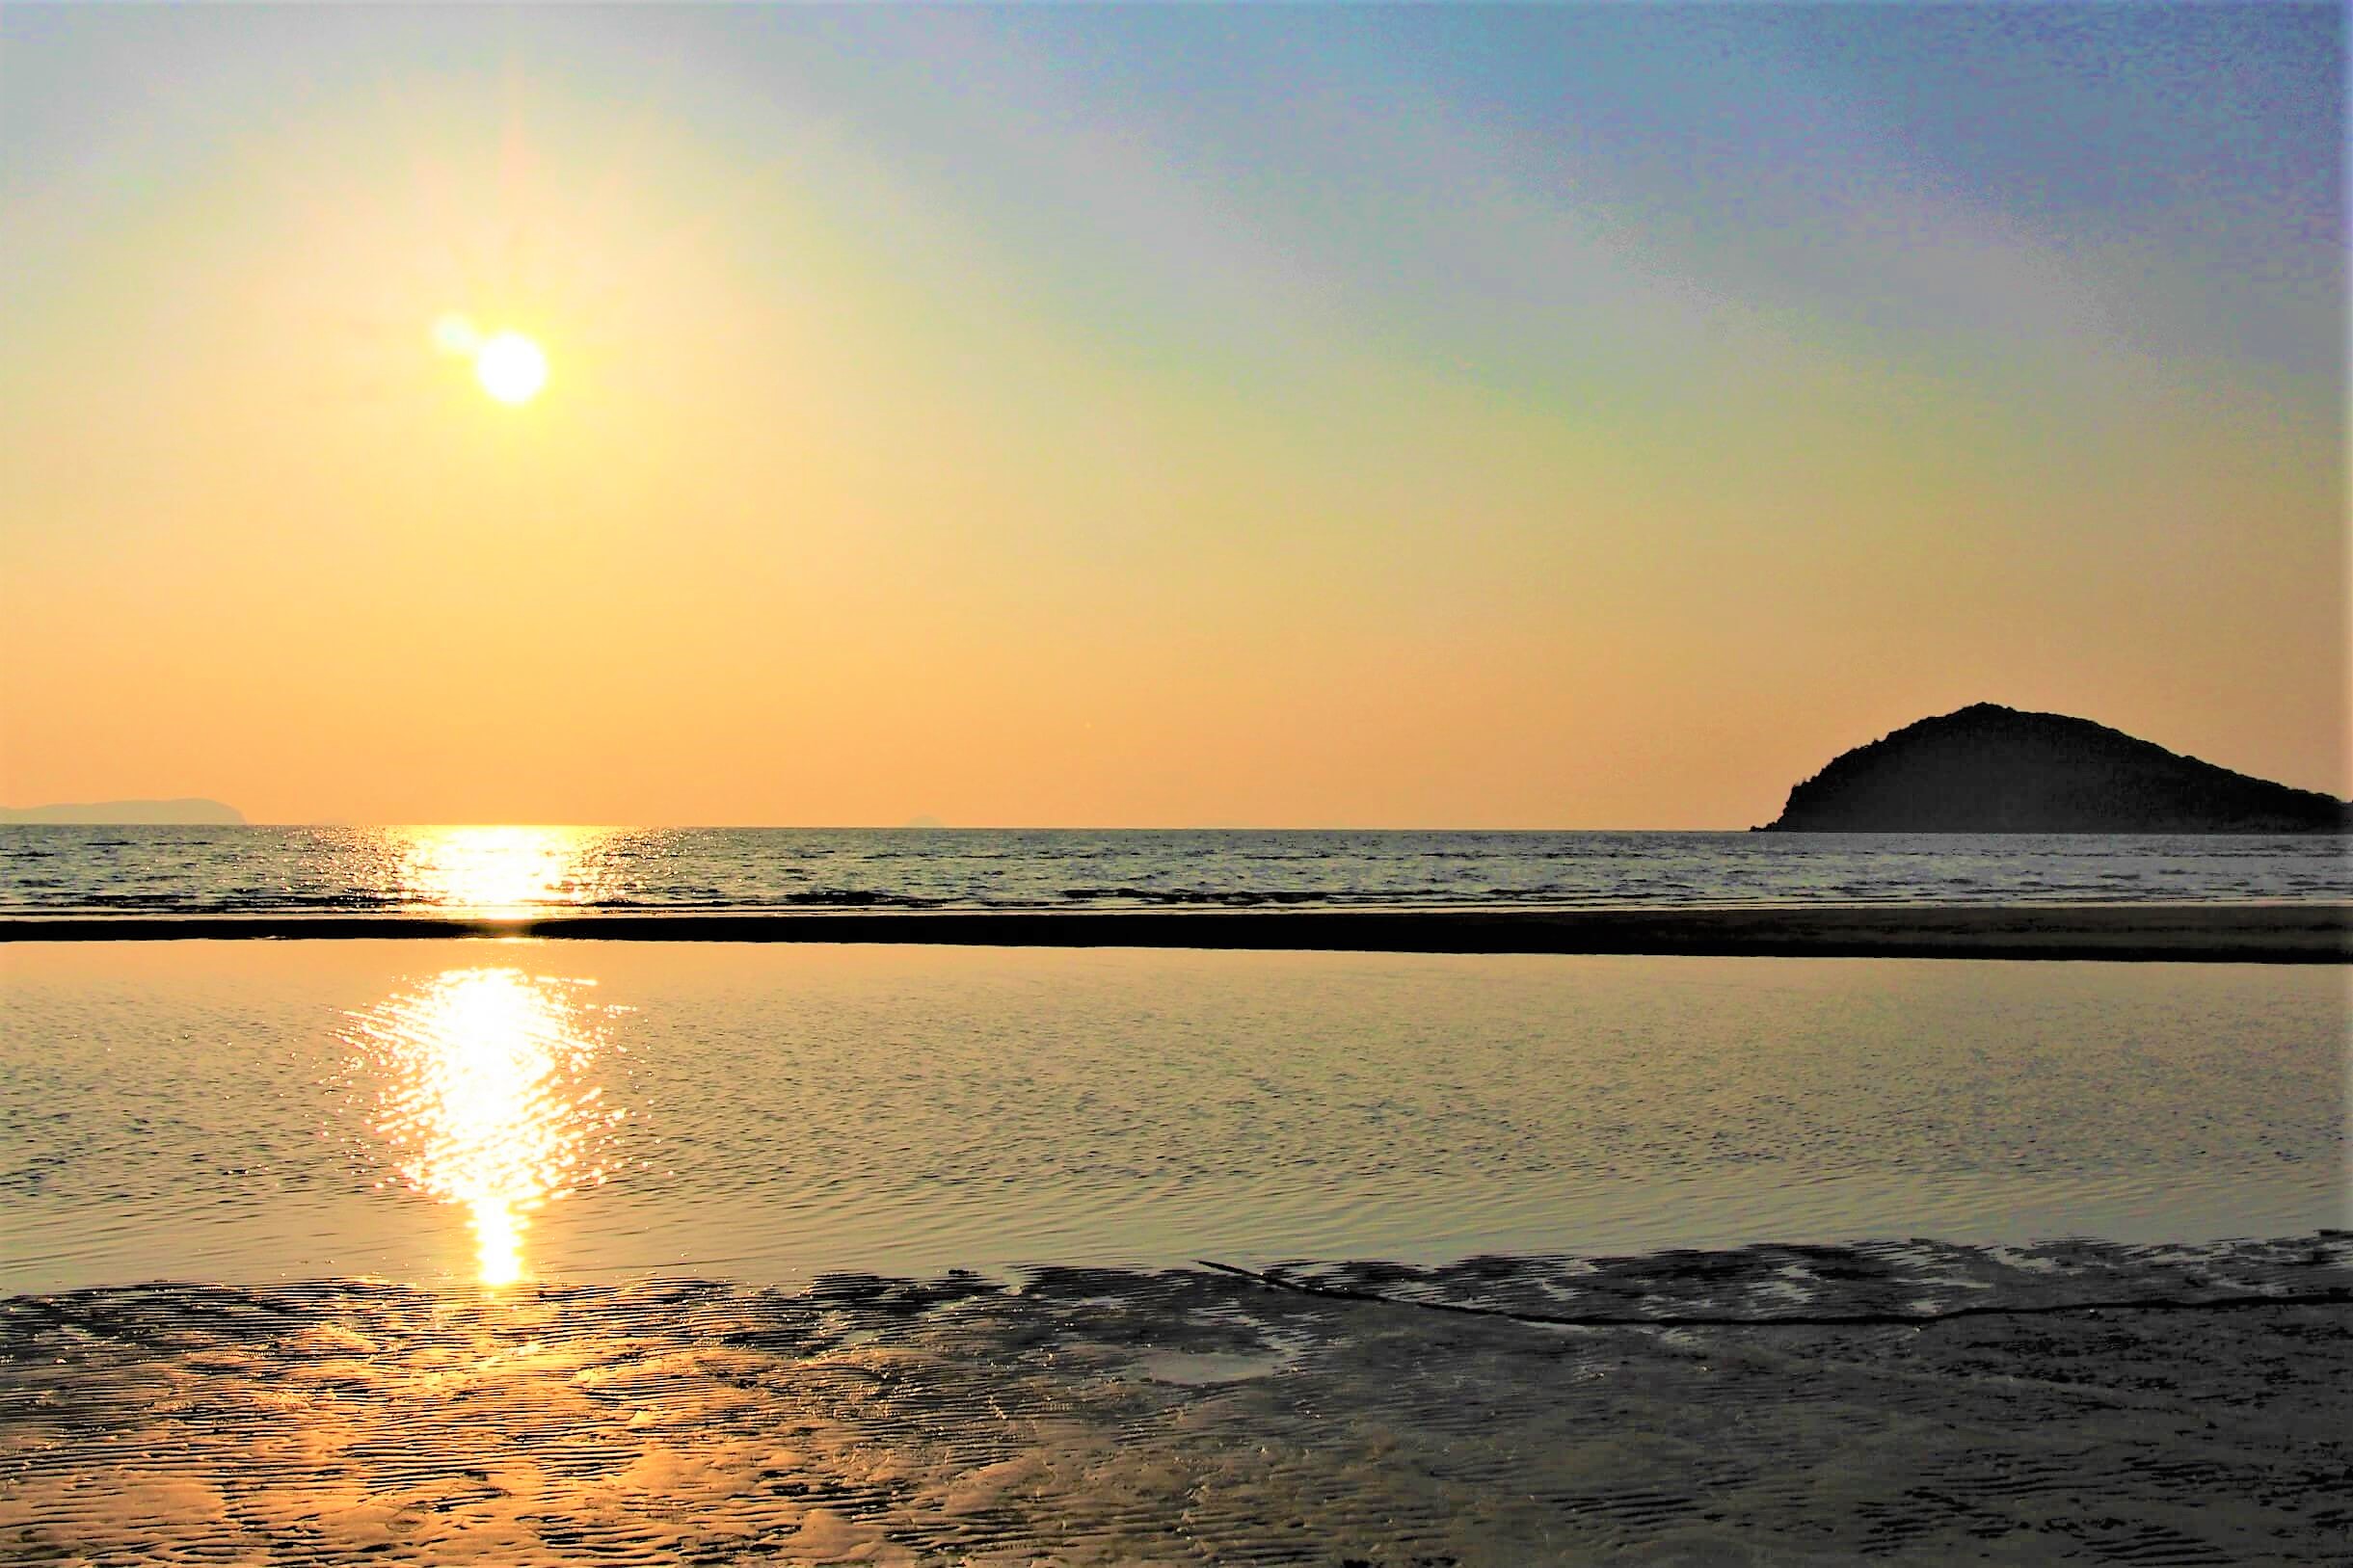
pixel 190 812
pixel 1993 769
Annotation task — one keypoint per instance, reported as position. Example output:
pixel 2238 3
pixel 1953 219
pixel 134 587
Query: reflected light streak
pixel 498 870
pixel 487 1101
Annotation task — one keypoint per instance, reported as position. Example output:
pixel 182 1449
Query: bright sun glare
pixel 510 366
pixel 487 1099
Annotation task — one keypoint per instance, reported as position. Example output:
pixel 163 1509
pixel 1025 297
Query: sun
pixel 510 366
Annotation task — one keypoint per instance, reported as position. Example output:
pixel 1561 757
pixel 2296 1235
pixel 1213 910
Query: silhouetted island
pixel 119 812
pixel 1995 769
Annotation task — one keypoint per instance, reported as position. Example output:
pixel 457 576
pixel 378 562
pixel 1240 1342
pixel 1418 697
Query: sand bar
pixel 2300 933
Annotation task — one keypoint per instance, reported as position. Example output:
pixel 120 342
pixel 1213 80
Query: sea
pixel 495 1249
pixel 440 870
pixel 775 1111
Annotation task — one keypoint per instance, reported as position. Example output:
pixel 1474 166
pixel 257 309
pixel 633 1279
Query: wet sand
pixel 2075 1401
pixel 2307 933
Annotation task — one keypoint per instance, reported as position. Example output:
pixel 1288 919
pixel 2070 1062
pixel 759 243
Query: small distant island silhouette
pixel 190 812
pixel 1993 769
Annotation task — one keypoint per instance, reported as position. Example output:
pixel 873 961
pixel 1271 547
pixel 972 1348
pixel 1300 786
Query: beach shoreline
pixel 2276 933
pixel 2076 1399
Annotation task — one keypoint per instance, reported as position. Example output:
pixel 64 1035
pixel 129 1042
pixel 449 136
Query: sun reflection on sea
pixel 498 870
pixel 486 1098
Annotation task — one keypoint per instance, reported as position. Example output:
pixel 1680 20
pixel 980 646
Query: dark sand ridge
pixel 2309 933
pixel 1984 1410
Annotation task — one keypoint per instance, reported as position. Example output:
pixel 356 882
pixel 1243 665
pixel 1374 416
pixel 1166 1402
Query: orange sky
pixel 1042 450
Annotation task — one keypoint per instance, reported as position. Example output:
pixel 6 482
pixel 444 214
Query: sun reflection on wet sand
pixel 486 1097
pixel 499 870
pixel 1103 1418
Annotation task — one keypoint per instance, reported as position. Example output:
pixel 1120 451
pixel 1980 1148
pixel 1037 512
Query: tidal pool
pixel 437 1111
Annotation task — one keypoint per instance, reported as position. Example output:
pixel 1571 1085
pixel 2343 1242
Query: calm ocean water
pixel 511 869
pixel 503 1250
pixel 428 1110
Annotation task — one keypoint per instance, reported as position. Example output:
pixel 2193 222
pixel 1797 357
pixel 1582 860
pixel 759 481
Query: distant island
pixel 1993 769
pixel 209 813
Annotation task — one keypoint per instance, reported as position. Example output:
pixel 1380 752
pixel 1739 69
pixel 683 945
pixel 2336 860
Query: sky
pixel 1550 417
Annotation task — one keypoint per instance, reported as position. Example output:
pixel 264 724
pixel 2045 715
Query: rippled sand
pixel 1189 1416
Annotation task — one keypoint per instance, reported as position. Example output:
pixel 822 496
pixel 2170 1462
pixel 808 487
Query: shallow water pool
pixel 440 1111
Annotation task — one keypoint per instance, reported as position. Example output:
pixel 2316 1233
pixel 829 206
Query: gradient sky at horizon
pixel 1548 416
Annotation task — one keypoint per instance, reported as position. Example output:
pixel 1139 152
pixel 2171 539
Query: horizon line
pixel 862 827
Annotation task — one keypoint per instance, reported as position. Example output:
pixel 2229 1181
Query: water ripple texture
pixel 522 871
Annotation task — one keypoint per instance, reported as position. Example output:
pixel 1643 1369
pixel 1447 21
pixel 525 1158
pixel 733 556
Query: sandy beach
pixel 2301 933
pixel 2074 1401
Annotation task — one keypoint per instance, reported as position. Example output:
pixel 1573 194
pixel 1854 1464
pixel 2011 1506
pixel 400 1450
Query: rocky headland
pixel 1993 769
